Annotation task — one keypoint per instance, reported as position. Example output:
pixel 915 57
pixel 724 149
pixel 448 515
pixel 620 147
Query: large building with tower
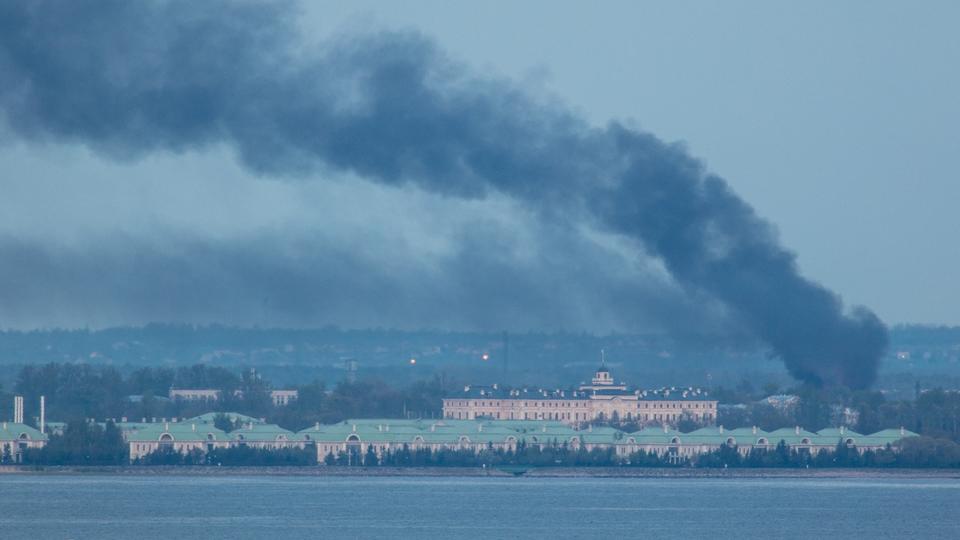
pixel 603 399
pixel 357 439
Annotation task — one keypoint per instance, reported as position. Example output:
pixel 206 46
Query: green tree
pixel 371 459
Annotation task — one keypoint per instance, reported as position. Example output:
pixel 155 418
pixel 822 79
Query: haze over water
pixel 108 507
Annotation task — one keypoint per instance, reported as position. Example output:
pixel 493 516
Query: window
pixel 166 441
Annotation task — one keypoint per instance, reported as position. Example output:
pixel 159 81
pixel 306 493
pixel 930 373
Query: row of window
pixel 577 404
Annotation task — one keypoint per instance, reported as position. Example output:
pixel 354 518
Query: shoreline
pixel 532 472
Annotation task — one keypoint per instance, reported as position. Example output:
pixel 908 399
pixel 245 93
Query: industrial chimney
pixel 18 409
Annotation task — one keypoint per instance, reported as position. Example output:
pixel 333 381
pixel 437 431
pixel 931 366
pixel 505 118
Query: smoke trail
pixel 127 78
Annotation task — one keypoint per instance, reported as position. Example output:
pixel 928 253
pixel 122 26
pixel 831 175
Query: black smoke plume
pixel 129 78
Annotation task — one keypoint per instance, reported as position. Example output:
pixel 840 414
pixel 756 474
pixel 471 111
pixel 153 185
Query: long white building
pixel 602 399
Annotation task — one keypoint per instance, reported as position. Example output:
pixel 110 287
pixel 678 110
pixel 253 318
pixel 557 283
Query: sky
pixel 835 121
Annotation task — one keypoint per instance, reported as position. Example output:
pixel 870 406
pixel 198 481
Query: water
pixel 213 508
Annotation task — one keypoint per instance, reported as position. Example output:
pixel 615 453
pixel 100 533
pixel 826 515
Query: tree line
pixel 917 452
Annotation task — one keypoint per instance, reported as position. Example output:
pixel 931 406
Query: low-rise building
pixel 266 436
pixel 16 439
pixel 199 434
pixel 194 394
pixel 280 398
pixel 182 437
pixel 357 437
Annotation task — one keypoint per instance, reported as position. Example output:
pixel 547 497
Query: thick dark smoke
pixel 129 78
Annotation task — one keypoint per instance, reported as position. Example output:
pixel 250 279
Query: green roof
pixel 450 431
pixel 446 431
pixel 179 431
pixel 10 431
pixel 887 436
pixel 263 433
pixel 210 417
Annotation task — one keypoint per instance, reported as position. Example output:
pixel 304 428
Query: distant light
pixel 413 361
pixel 485 357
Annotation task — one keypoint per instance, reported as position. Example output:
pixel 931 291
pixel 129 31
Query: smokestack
pixel 43 414
pixel 18 409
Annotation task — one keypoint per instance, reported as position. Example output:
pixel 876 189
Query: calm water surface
pixel 213 508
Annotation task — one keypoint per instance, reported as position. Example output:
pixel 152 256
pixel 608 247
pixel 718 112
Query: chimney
pixel 166 426
pixel 387 427
pixel 721 429
pixel 754 430
pixel 193 427
pixel 354 428
pixel 123 419
pixel 316 426
pixel 797 430
pixel 18 409
pixel 433 427
pixel 841 430
pixel 666 429
pixel 43 414
pixel 902 431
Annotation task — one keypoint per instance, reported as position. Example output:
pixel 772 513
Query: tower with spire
pixel 602 380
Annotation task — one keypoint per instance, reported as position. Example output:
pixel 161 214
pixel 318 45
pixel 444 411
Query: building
pixel 194 394
pixel 182 437
pixel 602 399
pixel 16 439
pixel 199 434
pixel 280 398
pixel 359 436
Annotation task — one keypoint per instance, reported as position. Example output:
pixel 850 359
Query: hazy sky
pixel 835 120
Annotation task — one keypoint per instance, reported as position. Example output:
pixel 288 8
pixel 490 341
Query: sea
pixel 291 507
